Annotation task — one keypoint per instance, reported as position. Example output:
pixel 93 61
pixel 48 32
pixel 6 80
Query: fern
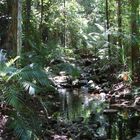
pixel 15 84
pixel 22 127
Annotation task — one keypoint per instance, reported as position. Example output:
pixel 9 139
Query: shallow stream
pixel 78 103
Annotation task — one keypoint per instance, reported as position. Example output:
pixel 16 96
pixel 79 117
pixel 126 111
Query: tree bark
pixel 27 24
pixel 41 18
pixel 119 22
pixel 64 23
pixel 121 55
pixel 108 27
pixel 13 26
pixel 42 11
pixel 19 28
pixel 134 36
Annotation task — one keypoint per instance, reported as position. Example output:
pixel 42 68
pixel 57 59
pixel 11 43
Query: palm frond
pixel 12 61
pixel 32 77
pixel 21 129
pixel 13 97
pixel 15 83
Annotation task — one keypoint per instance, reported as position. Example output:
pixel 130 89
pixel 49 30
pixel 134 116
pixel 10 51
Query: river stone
pixel 103 96
pixel 75 83
pixel 93 86
pixel 62 73
pixel 90 82
pixel 58 137
pixel 110 111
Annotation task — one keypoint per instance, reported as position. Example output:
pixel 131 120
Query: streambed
pixel 80 107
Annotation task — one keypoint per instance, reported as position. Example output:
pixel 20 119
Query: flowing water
pixel 79 103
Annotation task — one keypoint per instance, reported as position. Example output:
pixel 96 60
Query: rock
pixel 83 76
pixel 137 101
pixel 60 79
pixel 84 89
pixel 62 73
pixel 83 82
pixel 110 111
pixel 58 137
pixel 75 83
pixel 90 82
pixel 103 96
pixel 92 86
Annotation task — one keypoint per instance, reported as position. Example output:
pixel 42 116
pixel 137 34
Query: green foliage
pixel 68 68
pixel 17 84
pixel 56 30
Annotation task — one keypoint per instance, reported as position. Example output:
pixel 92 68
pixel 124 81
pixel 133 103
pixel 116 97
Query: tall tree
pixel 108 27
pixel 42 11
pixel 64 35
pixel 119 12
pixel 134 35
pixel 13 27
pixel 19 28
pixel 27 23
pixel 119 40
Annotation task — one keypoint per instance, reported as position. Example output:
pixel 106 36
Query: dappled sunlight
pixel 69 70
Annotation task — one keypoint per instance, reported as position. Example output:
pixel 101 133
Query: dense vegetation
pixel 48 45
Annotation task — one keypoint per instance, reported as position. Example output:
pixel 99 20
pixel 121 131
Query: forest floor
pixel 109 85
pixel 108 81
pixel 104 82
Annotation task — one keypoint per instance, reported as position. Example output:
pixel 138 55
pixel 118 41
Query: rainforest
pixel 69 70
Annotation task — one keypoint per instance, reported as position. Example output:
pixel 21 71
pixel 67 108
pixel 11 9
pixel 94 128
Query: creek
pixel 77 105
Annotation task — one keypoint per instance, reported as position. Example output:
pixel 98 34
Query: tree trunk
pixel 134 36
pixel 121 55
pixel 19 28
pixel 108 27
pixel 41 19
pixel 27 24
pixel 119 23
pixel 13 27
pixel 64 23
pixel 42 11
